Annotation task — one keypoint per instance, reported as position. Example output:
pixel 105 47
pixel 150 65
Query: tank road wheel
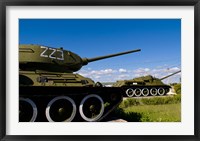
pixel 61 109
pixel 27 110
pixel 145 92
pixel 153 91
pixel 161 91
pixel 138 92
pixel 130 92
pixel 91 107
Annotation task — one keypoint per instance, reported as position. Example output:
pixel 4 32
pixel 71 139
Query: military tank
pixel 51 91
pixel 144 86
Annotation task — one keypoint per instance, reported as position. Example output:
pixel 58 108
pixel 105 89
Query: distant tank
pixel 144 86
pixel 50 91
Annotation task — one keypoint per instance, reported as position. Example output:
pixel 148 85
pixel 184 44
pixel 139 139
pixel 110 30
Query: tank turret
pixel 36 57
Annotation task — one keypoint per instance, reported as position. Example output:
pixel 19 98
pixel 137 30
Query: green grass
pixel 156 109
pixel 155 113
pixel 151 101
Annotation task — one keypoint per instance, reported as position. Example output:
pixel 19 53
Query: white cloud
pixel 123 76
pixel 102 72
pixel 112 75
pixel 97 77
pixel 122 70
pixel 142 70
pixel 174 69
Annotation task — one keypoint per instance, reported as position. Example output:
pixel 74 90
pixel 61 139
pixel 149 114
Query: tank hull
pixel 143 86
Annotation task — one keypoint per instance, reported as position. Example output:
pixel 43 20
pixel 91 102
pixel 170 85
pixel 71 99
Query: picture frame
pixel 3 71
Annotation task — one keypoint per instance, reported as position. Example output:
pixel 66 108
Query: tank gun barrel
pixel 38 57
pixel 87 60
pixel 170 75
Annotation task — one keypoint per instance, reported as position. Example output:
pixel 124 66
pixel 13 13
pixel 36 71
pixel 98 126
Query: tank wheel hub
pixel 145 92
pixel 130 92
pixel 153 91
pixel 138 92
pixel 61 108
pixel 161 91
pixel 91 107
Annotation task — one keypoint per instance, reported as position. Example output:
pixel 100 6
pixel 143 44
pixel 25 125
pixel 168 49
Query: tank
pixel 51 91
pixel 144 86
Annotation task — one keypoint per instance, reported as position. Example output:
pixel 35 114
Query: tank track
pixel 66 104
pixel 145 91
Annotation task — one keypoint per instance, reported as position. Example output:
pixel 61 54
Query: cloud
pixel 174 69
pixel 142 72
pixel 97 77
pixel 122 70
pixel 102 72
pixel 112 75
pixel 123 76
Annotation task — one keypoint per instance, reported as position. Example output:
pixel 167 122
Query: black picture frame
pixel 5 3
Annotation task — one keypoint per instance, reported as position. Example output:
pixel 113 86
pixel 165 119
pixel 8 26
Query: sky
pixel 158 39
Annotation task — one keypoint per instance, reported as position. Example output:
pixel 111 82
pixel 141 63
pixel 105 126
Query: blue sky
pixel 158 39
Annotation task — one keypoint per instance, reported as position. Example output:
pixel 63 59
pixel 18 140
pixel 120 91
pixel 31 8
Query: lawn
pixel 154 113
pixel 158 109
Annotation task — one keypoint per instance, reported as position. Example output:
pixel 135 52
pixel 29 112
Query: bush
pixel 129 102
pixel 162 100
pixel 177 88
pixel 150 101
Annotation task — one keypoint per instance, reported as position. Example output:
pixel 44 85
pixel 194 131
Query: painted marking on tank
pixel 52 54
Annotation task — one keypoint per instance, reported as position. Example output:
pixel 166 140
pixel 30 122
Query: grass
pixel 156 113
pixel 151 101
pixel 158 109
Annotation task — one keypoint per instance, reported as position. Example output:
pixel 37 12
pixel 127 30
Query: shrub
pixel 151 101
pixel 133 101
pixel 129 102
pixel 177 88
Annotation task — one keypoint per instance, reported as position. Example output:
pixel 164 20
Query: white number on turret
pixel 50 53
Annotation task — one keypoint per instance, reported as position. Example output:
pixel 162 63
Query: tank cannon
pixel 50 91
pixel 144 86
pixel 165 77
pixel 35 57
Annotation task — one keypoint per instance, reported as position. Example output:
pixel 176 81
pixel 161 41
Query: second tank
pixel 144 86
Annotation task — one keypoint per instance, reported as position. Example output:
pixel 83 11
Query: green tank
pixel 144 86
pixel 49 90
